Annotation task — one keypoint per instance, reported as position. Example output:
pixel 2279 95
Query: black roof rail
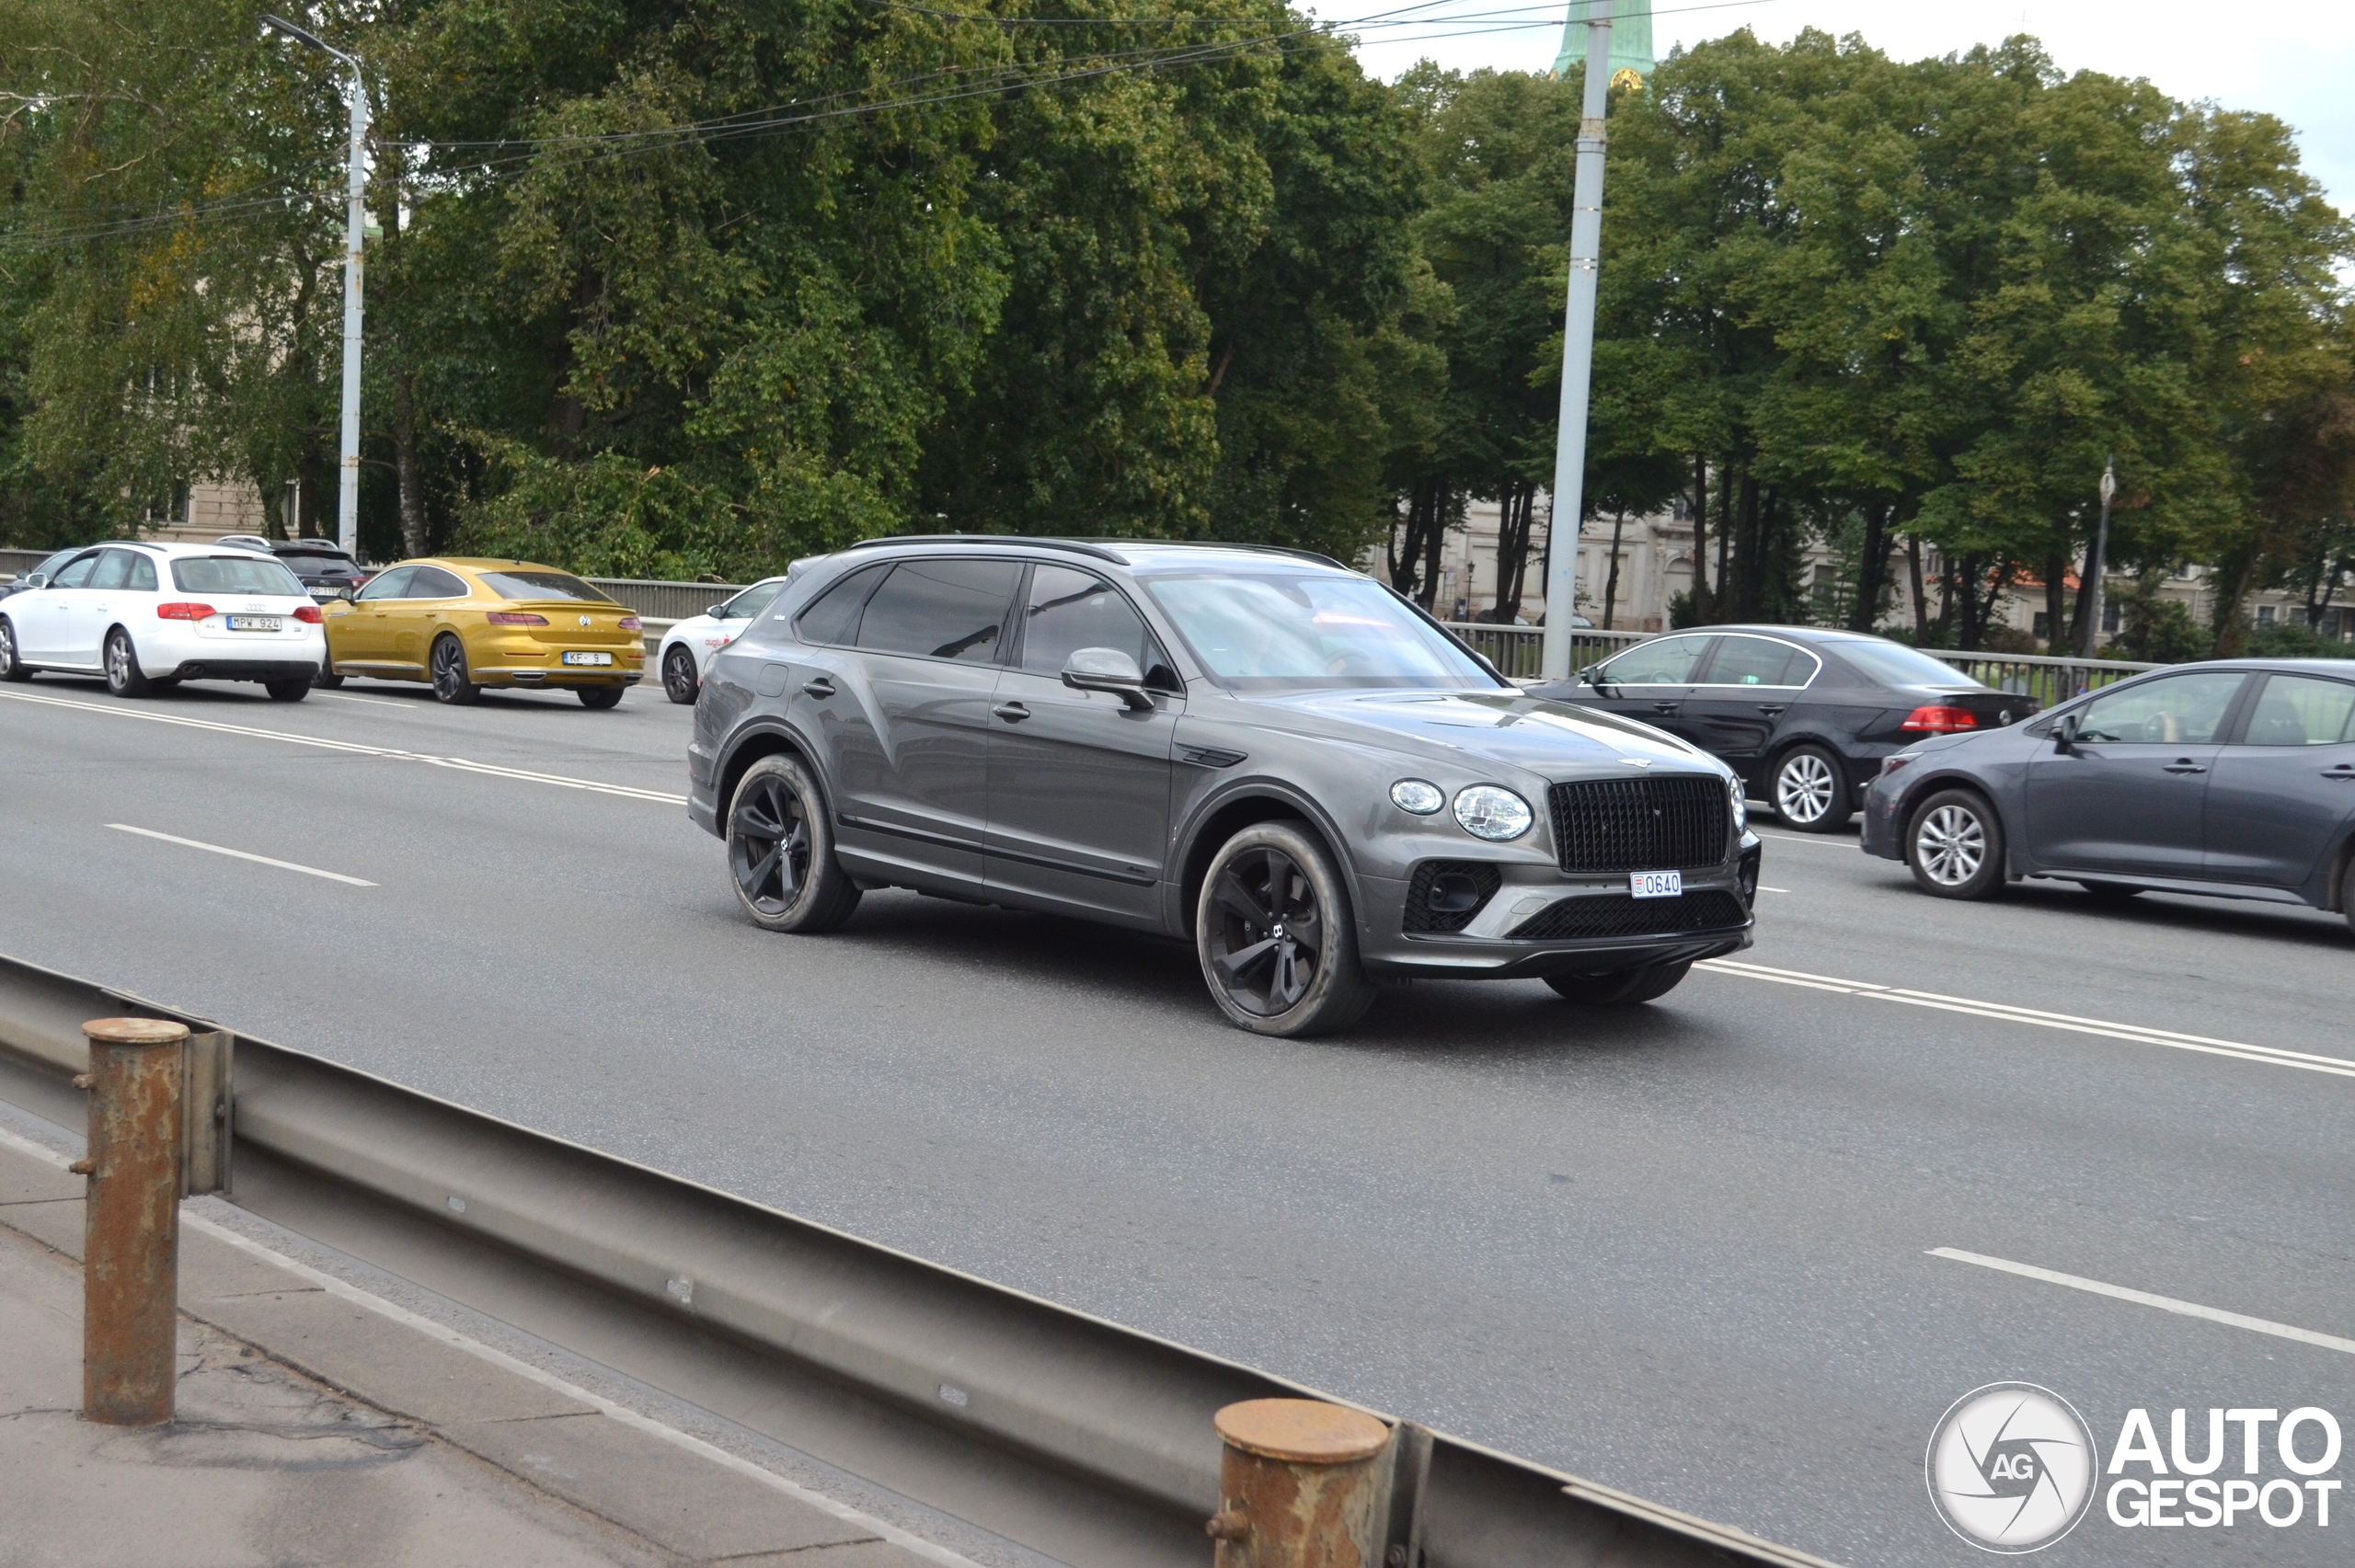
pixel 1321 560
pixel 1077 546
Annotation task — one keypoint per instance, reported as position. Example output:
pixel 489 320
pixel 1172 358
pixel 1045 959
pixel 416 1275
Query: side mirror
pixel 35 579
pixel 1108 669
pixel 2064 734
pixel 716 612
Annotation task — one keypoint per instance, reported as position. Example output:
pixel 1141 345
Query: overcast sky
pixel 2291 58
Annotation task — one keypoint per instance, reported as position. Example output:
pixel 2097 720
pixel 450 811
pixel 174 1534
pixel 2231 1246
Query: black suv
pixel 1259 751
pixel 322 566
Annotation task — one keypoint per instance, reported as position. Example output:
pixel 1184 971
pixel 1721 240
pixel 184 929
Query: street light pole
pixel 2095 566
pixel 1577 350
pixel 347 504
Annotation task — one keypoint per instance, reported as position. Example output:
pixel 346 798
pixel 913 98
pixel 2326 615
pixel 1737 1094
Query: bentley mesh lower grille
pixel 1646 824
pixel 1617 914
pixel 1445 894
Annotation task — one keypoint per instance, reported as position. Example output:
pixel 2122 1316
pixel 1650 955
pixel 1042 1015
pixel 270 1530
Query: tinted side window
pixel 433 582
pixel 143 574
pixel 941 609
pixel 2300 710
pixel 752 602
pixel 77 571
pixel 1663 661
pixel 391 585
pixel 114 570
pixel 1068 611
pixel 1758 662
pixel 2178 710
pixel 834 617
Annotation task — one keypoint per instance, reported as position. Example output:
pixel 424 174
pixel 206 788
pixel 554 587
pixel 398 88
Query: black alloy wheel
pixel 781 852
pixel 448 666
pixel 679 681
pixel 599 696
pixel 1621 988
pixel 124 678
pixel 1955 845
pixel 12 668
pixel 1809 793
pixel 1274 933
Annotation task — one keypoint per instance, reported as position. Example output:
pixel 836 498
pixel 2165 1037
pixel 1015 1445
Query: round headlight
pixel 1415 796
pixel 1488 812
pixel 1739 795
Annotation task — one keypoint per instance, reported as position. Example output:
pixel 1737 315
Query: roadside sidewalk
pixel 316 1425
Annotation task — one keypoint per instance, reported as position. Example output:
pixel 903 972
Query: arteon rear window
pixel 541 584
pixel 234 574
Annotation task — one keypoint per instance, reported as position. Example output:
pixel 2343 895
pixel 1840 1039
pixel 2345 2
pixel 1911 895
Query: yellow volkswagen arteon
pixel 464 623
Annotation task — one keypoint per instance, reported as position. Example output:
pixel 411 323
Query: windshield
pixel 1901 665
pixel 541 584
pixel 234 574
pixel 1258 631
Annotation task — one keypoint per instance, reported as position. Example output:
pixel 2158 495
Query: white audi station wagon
pixel 150 616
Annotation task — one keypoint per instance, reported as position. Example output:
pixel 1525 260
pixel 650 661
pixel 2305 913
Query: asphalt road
pixel 1684 1249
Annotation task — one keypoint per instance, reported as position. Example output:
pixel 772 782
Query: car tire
pixel 1621 988
pixel 2111 892
pixel 2347 894
pixel 292 690
pixel 447 666
pixel 1265 883
pixel 12 666
pixel 124 678
pixel 599 697
pixel 1809 791
pixel 1954 845
pixel 326 680
pixel 781 850
pixel 679 682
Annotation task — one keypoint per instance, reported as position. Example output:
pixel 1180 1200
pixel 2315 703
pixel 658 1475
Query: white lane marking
pixel 2144 1299
pixel 372 701
pixel 547 1379
pixel 1818 843
pixel 240 854
pixel 354 748
pixel 2270 1056
pixel 1764 889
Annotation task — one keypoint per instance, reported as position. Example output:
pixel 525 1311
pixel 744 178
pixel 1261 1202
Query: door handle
pixel 819 688
pixel 1771 709
pixel 2185 766
pixel 1013 713
pixel 2345 772
pixel 1665 707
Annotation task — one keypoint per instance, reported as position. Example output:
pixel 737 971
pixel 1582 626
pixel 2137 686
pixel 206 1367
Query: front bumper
pixel 1883 832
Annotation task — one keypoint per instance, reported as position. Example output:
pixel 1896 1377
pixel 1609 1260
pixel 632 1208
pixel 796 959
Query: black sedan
pixel 1804 715
pixel 1265 755
pixel 2235 780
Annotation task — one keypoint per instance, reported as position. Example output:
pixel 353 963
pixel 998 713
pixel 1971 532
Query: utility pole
pixel 1578 350
pixel 2100 557
pixel 347 505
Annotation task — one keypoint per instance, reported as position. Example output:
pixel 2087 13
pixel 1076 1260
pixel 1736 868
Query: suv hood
pixel 1543 736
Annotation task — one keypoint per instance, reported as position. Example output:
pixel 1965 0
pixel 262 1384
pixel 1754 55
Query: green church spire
pixel 1631 39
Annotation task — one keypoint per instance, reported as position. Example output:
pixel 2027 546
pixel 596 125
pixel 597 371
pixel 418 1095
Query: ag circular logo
pixel 2012 1467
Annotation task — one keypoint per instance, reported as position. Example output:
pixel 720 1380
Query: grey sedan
pixel 1259 752
pixel 2234 779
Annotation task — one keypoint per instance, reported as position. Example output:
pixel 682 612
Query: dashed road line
pixel 2144 1299
pixel 354 748
pixel 241 854
pixel 2269 1056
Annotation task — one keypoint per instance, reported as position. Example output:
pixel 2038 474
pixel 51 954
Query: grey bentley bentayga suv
pixel 1260 751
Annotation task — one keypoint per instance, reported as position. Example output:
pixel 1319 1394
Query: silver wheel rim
pixel 1950 845
pixel 7 648
pixel 1803 789
pixel 117 662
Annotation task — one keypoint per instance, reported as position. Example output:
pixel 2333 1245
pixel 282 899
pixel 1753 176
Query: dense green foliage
pixel 690 287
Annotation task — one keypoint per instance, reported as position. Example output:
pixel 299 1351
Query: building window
pixel 168 510
pixel 2265 615
pixel 2043 625
pixel 2109 621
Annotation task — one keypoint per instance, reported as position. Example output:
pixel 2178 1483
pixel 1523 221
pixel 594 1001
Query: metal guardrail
pixel 671 600
pixel 1119 1420
pixel 15 561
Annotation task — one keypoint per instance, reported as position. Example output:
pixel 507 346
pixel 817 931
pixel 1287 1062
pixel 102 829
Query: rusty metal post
pixel 1302 1484
pixel 130 1262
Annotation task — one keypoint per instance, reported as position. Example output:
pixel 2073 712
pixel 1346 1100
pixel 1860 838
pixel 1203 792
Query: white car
pixel 687 646
pixel 150 616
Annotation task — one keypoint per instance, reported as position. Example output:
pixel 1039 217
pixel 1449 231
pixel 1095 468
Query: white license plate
pixel 1655 884
pixel 588 659
pixel 256 623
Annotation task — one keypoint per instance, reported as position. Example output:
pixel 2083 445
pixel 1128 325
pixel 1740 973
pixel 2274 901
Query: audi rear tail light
pixel 515 618
pixel 184 610
pixel 308 613
pixel 1934 718
pixel 632 624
